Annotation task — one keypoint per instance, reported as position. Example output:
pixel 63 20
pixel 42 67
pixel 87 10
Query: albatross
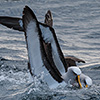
pixel 70 60
pixel 44 53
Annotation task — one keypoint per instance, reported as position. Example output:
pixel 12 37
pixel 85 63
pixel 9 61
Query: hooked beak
pixel 80 85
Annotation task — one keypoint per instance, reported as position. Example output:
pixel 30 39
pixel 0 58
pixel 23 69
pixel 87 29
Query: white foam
pixel 16 78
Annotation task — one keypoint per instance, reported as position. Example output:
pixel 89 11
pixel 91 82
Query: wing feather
pixel 49 36
pixel 32 40
pixel 12 22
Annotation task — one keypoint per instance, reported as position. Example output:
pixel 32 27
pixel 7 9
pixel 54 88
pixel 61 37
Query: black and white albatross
pixel 44 53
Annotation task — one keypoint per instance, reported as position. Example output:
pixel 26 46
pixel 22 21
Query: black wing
pixel 12 22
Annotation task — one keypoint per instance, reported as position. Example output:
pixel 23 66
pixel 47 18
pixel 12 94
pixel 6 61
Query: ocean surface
pixel 77 26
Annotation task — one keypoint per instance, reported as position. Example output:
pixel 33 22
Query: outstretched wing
pixel 32 40
pixel 49 36
pixel 12 22
pixel 35 46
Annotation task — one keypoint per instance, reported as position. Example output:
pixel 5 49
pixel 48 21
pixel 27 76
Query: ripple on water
pixel 77 25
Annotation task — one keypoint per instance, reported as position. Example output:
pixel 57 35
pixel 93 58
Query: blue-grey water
pixel 77 26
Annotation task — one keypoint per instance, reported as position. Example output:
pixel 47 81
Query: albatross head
pixel 85 80
pixel 72 75
pixel 76 77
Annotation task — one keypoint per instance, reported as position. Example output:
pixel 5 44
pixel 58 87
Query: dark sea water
pixel 77 26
